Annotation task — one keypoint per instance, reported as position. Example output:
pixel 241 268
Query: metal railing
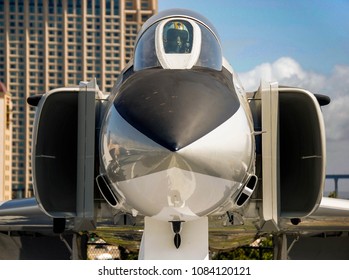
pixel 336 178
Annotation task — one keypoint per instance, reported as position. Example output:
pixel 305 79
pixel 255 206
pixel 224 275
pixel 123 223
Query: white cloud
pixel 287 71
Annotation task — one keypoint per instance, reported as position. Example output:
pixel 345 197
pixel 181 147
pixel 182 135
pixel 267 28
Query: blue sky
pixel 297 43
pixel 315 33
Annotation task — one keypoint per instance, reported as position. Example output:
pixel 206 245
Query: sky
pixel 294 42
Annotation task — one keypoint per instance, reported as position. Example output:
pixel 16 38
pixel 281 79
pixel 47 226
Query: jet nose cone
pixel 174 108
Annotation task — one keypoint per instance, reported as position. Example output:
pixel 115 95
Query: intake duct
pixel 63 150
pixel 301 152
pixel 290 148
pixel 55 151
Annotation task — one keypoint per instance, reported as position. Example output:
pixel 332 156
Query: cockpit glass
pixel 145 52
pixel 178 44
pixel 178 36
pixel 211 52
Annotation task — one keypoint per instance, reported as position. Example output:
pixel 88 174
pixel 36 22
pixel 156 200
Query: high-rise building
pixel 5 144
pixel 55 43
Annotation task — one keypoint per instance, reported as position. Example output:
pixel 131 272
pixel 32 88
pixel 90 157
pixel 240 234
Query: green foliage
pixel 332 194
pixel 264 251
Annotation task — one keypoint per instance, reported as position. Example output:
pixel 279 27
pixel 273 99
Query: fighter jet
pixel 179 148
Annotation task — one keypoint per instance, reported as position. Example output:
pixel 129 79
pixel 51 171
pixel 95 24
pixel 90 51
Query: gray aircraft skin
pixel 178 142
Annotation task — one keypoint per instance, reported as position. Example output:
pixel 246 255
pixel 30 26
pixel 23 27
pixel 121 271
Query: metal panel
pixel 85 155
pixel 269 94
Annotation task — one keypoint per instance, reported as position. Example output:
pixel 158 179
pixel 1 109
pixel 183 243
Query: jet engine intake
pixel 302 151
